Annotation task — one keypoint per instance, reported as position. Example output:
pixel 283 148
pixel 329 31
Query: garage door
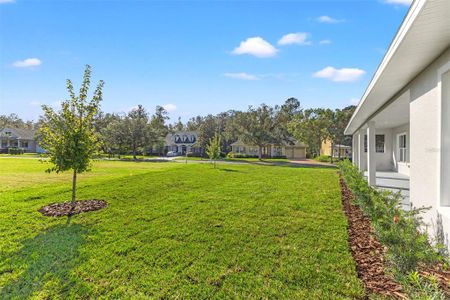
pixel 295 153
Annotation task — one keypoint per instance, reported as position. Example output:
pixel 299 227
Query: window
pixel 24 144
pixel 402 149
pixel 379 143
pixel 365 143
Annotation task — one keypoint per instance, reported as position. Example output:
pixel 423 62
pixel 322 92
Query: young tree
pixel 213 148
pixel 69 135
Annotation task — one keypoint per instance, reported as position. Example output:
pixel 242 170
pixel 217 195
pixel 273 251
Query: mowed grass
pixel 175 230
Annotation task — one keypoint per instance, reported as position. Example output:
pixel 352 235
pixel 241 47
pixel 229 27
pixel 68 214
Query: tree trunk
pixel 332 151
pixel 74 192
pixel 74 186
pixel 339 151
pixel 259 152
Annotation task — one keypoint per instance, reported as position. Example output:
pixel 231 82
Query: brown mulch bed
pixel 440 273
pixel 66 209
pixel 367 252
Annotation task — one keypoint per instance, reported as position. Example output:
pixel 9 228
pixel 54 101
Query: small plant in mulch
pixel 367 251
pixel 70 208
pixel 383 237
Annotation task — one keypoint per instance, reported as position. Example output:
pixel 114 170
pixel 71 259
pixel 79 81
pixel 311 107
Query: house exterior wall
pixel 325 148
pixel 425 144
pixel 428 128
pixel 291 152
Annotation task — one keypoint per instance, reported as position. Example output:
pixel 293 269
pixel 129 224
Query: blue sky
pixel 194 57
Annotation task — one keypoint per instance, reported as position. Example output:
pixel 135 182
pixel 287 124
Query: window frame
pixel 402 152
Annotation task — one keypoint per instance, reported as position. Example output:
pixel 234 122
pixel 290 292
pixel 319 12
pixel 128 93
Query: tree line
pixel 140 133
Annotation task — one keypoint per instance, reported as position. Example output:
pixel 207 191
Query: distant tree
pixel 257 126
pixel 137 122
pixel 101 123
pixel 116 136
pixel 311 127
pixel 207 129
pixel 213 149
pixel 178 126
pixel 69 135
pixel 158 128
pixel 14 121
pixel 194 123
pixel 284 114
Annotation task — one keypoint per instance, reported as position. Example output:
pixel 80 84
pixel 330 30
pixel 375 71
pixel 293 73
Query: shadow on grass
pixel 227 170
pixel 49 256
pixel 284 164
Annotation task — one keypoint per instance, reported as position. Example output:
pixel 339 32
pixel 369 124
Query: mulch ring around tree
pixel 66 209
pixel 367 251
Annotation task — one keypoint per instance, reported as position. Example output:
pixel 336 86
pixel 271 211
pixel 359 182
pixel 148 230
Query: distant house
pixel 338 151
pixel 18 138
pixel 182 142
pixel 295 151
pixel 401 127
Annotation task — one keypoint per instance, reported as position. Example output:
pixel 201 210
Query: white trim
pixel 397 148
pixel 440 72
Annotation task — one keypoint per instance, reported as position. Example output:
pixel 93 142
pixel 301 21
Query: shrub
pixel 240 155
pixel 194 154
pixel 399 230
pixel 15 151
pixel 323 158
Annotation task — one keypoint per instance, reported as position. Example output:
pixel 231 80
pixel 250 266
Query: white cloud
pixel 325 42
pixel 399 2
pixel 328 20
pixel 26 63
pixel 241 76
pixel 7 1
pixel 354 101
pixel 169 107
pixel 298 38
pixel 340 75
pixel 256 46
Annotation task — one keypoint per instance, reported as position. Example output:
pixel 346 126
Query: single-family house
pixel 336 150
pixel 296 150
pixel 18 138
pixel 401 127
pixel 182 142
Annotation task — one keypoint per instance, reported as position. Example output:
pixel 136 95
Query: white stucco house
pixel 401 127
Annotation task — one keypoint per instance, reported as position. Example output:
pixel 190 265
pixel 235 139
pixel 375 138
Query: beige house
pixel 342 151
pixel 295 151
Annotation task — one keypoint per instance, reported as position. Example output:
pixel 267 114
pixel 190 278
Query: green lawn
pixel 176 231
